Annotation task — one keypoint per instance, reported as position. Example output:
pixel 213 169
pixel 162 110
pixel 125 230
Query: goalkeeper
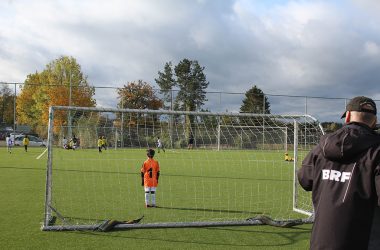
pixel 150 172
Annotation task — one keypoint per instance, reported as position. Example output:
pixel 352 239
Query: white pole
pixel 286 139
pixel 295 154
pixel 49 169
pixel 218 135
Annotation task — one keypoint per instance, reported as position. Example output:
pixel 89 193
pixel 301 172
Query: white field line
pixel 38 157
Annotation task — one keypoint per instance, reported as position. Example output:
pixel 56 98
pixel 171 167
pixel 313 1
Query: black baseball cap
pixel 361 104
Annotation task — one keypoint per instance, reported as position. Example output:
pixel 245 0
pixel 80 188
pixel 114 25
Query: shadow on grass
pixel 23 168
pixel 208 210
pixel 258 236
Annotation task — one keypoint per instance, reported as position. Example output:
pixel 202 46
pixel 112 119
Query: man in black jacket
pixel 343 173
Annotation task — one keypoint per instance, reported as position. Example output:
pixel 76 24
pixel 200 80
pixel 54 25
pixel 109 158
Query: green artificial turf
pixel 198 185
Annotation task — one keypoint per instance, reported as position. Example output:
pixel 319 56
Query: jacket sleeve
pixel 377 183
pixel 305 173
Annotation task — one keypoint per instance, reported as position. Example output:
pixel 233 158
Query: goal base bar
pixel 261 220
pixel 303 212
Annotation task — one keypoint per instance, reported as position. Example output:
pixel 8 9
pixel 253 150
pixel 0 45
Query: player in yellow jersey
pixel 25 142
pixel 288 158
pixel 150 172
pixel 100 144
pixel 104 142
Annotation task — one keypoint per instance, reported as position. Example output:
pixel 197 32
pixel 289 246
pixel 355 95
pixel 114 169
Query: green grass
pixel 110 184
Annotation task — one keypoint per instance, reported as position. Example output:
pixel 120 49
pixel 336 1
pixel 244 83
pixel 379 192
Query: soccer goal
pixel 235 173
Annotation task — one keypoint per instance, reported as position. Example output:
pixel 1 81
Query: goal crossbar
pixel 173 112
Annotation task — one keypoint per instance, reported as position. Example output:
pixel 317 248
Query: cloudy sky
pixel 299 48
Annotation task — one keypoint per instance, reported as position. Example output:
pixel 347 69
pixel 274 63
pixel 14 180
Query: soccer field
pixel 89 187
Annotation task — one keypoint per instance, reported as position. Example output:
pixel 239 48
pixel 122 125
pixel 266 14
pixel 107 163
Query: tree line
pixel 63 83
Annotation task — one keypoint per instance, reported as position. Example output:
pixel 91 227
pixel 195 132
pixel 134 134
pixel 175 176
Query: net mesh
pixel 215 167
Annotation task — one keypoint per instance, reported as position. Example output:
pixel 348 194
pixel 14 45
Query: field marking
pixel 38 157
pixel 173 151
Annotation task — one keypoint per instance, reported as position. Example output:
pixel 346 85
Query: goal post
pixel 234 174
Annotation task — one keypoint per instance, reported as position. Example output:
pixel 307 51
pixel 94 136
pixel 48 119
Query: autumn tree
pixel 6 105
pixel 255 102
pixel 138 95
pixel 61 83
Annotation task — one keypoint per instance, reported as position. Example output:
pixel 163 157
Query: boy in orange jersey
pixel 150 172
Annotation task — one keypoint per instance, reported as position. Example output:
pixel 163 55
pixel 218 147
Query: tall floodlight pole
pixel 171 118
pixel 122 123
pixel 14 111
pixel 69 131
pixel 305 139
pixel 263 121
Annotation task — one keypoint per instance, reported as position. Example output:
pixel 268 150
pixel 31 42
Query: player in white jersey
pixel 9 142
pixel 160 145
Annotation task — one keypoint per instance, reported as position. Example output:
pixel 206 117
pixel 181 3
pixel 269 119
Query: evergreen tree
pixel 166 83
pixel 255 102
pixel 191 81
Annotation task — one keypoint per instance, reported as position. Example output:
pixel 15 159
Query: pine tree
pixel 255 102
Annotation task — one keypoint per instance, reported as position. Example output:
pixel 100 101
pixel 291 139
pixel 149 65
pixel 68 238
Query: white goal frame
pixel 51 211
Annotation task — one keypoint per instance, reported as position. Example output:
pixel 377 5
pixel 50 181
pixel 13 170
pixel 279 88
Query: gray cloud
pixel 313 48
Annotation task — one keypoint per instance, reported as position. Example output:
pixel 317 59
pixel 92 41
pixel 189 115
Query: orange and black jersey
pixel 150 172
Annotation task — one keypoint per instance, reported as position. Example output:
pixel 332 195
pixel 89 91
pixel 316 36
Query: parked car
pixel 34 141
pixel 16 134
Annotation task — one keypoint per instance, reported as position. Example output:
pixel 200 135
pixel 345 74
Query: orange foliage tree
pixel 52 87
pixel 138 95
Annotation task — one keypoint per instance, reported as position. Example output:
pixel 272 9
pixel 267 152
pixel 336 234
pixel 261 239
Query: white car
pixel 33 141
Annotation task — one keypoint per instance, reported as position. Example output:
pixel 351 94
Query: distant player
pixel 75 143
pixel 9 142
pixel 25 142
pixel 288 158
pixel 64 143
pixel 100 144
pixel 71 144
pixel 191 142
pixel 160 145
pixel 150 172
pixel 104 142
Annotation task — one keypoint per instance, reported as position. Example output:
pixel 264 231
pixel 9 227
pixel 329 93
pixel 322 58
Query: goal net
pixel 263 137
pixel 235 172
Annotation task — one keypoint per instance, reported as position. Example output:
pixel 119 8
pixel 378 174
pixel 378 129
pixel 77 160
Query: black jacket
pixel 343 173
